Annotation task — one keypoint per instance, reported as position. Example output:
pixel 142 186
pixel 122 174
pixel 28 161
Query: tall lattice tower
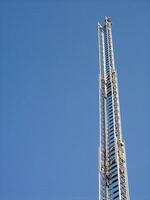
pixel 113 179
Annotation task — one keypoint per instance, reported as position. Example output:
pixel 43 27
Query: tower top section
pixel 106 52
pixel 107 19
pixel 100 27
pixel 108 23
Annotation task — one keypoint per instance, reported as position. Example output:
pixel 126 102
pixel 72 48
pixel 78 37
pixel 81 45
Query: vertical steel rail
pixel 99 82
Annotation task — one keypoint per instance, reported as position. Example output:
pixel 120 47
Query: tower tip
pixel 100 27
pixel 107 19
pixel 99 24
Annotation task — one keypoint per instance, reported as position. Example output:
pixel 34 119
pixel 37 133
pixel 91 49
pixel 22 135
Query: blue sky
pixel 49 96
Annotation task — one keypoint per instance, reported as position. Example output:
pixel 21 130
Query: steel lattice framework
pixel 113 179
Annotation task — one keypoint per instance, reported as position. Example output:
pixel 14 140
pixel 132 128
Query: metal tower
pixel 113 179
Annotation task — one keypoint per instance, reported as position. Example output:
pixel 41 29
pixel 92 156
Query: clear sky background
pixel 49 96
